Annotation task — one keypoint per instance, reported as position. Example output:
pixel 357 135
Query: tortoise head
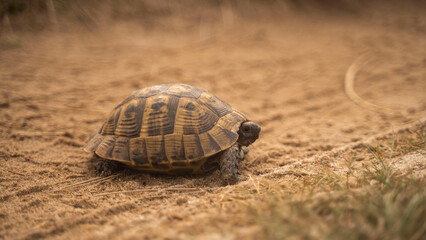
pixel 248 133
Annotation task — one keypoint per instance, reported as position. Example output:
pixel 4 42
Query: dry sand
pixel 286 75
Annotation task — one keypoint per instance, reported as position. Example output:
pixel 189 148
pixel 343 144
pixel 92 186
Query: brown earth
pixel 287 75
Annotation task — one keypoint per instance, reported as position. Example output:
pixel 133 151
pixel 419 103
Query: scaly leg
pixel 243 151
pixel 228 163
pixel 106 167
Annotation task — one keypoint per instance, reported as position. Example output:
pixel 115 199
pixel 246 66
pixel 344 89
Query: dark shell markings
pixel 167 128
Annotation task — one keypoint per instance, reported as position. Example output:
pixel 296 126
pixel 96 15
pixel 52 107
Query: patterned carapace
pixel 167 127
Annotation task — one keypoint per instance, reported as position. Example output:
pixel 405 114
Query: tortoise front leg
pixel 243 151
pixel 228 164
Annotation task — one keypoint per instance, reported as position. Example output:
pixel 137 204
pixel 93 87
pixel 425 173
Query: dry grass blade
pixel 89 182
pixel 20 174
pixel 183 189
pixel 254 184
pixel 349 83
pixel 79 183
pixel 227 14
pixel 127 191
pixel 70 108
pixel 150 190
pixel 37 134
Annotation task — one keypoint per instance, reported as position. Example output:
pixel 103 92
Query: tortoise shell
pixel 167 128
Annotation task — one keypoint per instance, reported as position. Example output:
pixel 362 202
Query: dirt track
pixel 287 76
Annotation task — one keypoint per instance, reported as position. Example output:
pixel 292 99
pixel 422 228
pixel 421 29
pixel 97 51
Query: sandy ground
pixel 287 75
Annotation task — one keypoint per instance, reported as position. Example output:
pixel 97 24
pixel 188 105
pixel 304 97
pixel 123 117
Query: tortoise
pixel 175 129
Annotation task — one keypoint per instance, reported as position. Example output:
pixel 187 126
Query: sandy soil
pixel 286 75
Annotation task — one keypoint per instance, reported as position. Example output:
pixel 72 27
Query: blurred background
pixel 207 17
pixel 65 64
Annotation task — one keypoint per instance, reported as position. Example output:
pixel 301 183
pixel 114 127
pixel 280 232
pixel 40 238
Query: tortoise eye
pixel 246 128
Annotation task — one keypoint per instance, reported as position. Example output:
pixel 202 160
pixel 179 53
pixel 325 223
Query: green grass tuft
pixel 381 205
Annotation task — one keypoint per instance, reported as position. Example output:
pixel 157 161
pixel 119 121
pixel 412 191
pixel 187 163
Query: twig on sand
pixel 349 82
